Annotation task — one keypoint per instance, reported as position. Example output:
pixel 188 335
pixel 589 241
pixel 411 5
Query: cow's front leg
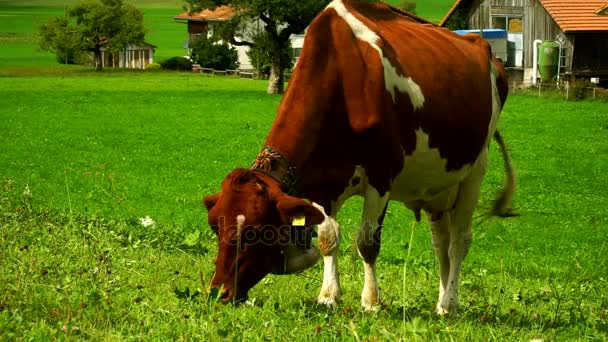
pixel 329 243
pixel 368 244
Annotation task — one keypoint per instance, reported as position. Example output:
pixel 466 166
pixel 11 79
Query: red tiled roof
pixel 221 13
pixel 450 12
pixel 577 15
pixel 570 15
pixel 602 10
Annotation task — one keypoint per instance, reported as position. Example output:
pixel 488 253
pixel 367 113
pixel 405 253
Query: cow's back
pixel 369 81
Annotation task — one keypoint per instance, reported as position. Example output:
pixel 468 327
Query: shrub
pixel 153 66
pixel 176 63
pixel 579 89
pixel 213 53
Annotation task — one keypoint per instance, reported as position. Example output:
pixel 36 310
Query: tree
pixel 95 24
pixel 260 55
pixel 212 53
pixel 281 19
pixel 59 38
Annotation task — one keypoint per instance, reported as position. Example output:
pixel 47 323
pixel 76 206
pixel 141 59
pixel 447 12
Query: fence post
pixel 567 90
pixel 539 86
pixel 594 92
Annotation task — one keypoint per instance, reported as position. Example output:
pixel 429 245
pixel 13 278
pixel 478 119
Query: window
pixel 516 25
pixel 511 24
pixel 499 23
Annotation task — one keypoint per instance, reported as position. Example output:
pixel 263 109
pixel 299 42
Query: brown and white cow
pixel 378 106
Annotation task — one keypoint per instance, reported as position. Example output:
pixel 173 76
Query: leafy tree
pixel 59 38
pixel 95 24
pixel 281 19
pixel 209 52
pixel 260 55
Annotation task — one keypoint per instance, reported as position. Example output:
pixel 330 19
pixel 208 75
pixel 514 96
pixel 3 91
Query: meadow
pixel 84 156
pixel 20 21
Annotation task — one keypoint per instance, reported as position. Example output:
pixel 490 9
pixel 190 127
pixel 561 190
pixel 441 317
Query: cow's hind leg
pixel 440 224
pixel 329 242
pixel 460 232
pixel 368 244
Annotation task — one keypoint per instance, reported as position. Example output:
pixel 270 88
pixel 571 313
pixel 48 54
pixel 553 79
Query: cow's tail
pixel 502 206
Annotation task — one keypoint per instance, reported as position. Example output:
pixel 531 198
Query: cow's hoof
pixel 442 311
pixel 446 310
pixel 327 301
pixel 371 307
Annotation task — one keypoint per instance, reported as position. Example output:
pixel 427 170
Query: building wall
pixel 540 25
pixel 537 24
pixel 132 58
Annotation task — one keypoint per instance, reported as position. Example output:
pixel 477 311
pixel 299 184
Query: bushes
pixel 153 66
pixel 213 53
pixel 176 63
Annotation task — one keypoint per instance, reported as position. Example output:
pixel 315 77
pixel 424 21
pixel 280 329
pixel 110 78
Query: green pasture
pixel 20 20
pixel 84 156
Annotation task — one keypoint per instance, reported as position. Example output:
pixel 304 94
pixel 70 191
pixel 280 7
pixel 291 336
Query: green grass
pixel 20 20
pixel 433 10
pixel 99 151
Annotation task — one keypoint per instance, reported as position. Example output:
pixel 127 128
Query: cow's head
pixel 253 220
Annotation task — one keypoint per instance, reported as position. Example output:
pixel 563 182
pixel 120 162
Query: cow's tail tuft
pixel 502 205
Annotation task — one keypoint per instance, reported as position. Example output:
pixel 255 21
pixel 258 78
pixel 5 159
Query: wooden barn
pixel 203 22
pixel 579 27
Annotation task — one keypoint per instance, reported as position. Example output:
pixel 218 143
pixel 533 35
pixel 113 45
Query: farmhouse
pixel 204 21
pixel 132 56
pixel 578 29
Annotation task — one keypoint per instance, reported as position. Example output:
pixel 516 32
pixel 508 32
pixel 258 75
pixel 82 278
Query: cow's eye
pixel 214 228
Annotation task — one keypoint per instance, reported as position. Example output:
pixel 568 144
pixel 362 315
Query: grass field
pixel 85 156
pixel 20 20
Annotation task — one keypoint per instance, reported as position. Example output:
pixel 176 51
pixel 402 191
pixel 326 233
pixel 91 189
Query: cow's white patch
pixel 373 208
pixel 329 240
pixel 370 297
pixel 357 182
pixel 392 79
pixel 424 176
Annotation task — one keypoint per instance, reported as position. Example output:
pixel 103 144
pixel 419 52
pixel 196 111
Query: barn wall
pixel 539 25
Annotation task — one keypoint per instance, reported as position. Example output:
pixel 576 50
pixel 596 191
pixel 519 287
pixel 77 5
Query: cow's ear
pixel 292 208
pixel 210 201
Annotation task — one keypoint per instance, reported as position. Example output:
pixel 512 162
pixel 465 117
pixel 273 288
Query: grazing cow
pixel 379 106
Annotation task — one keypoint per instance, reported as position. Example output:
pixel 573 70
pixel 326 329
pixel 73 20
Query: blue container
pixel 486 33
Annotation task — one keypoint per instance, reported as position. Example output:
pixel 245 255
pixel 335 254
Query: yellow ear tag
pixel 299 221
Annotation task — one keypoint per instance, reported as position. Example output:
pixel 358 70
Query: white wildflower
pixel 147 222
pixel 27 193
